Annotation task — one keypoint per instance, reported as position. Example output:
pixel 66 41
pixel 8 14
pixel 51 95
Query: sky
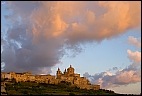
pixel 100 39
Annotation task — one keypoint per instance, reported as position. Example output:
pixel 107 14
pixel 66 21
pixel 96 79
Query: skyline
pixel 101 40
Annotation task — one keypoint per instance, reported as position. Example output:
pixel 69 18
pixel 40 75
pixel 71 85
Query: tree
pixel 2 79
pixel 71 93
pixel 5 79
pixel 13 80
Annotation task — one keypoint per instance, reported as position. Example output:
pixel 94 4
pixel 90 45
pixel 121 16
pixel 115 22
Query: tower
pixel 65 71
pixel 58 74
pixel 70 71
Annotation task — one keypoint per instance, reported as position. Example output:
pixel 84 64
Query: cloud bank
pixel 128 75
pixel 40 32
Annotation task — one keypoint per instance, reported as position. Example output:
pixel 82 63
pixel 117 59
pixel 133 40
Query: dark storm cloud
pixel 39 33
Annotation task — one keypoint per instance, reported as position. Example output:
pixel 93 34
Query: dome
pixel 70 68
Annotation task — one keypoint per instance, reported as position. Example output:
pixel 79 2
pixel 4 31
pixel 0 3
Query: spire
pixel 65 69
pixel 58 69
pixel 70 66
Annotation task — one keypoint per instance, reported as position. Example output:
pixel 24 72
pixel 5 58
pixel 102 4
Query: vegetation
pixel 64 88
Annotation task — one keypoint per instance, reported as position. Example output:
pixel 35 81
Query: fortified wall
pixel 67 76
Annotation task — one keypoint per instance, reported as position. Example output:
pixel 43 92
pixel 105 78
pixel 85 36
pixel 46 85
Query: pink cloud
pixel 46 29
pixel 134 41
pixel 134 56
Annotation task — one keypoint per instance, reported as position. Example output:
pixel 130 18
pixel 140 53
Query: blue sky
pixel 105 55
pixel 113 54
pixel 95 58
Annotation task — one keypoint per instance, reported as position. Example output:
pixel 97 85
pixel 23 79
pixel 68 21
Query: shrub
pixel 71 93
pixel 13 80
pixel 5 79
pixel 2 79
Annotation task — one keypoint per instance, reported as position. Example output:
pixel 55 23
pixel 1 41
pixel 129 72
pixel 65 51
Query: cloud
pixel 115 77
pixel 2 2
pixel 127 77
pixel 121 77
pixel 40 32
pixel 134 56
pixel 134 41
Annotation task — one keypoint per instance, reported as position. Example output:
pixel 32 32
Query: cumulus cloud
pixel 40 32
pixel 126 77
pixel 134 41
pixel 115 77
pixel 134 56
pixel 120 77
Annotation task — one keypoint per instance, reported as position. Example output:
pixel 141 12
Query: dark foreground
pixel 32 88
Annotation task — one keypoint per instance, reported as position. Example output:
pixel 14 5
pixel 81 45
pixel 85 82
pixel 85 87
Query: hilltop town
pixel 67 76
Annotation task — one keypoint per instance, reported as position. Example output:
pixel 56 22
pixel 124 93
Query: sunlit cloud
pixel 134 41
pixel 115 77
pixel 40 32
pixel 135 56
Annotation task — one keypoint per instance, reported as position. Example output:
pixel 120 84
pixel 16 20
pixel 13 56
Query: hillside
pixel 32 88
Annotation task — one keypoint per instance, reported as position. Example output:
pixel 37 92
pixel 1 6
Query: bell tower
pixel 58 74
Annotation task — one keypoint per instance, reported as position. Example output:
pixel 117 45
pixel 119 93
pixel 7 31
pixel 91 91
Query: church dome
pixel 70 68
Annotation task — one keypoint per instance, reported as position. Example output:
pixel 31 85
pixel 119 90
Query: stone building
pixel 5 75
pixel 67 76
